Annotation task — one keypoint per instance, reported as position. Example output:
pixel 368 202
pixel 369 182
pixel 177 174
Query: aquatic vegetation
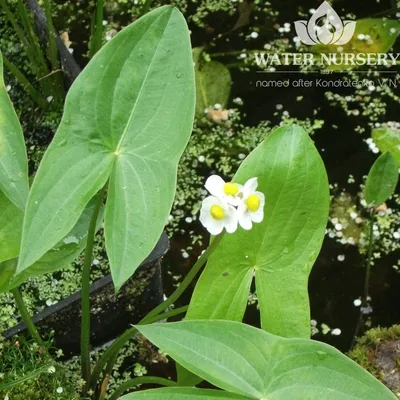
pixel 122 163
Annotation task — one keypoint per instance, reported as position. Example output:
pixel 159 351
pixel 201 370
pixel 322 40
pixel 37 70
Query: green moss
pixel 135 359
pixel 28 372
pixel 377 351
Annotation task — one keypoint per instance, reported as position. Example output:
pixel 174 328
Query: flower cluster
pixel 231 204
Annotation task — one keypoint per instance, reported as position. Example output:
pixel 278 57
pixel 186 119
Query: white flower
pixel 226 191
pixel 336 332
pixel 51 370
pixel 251 209
pixel 215 215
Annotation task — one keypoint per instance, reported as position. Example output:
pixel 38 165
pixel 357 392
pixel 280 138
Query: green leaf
pixel 64 252
pixel 388 140
pixel 382 180
pixel 213 83
pixel 13 159
pixel 11 218
pixel 382 33
pixel 127 119
pixel 248 361
pixel 7 270
pixel 60 256
pixel 183 393
pixel 280 251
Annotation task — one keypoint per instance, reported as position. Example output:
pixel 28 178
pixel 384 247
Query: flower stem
pixel 111 354
pixel 361 322
pixel 167 314
pixel 26 317
pixel 85 324
pixel 186 282
pixel 155 315
pixel 142 380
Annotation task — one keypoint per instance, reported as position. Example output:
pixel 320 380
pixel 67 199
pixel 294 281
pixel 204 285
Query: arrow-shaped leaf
pixel 127 119
pixel 60 256
pixel 13 160
pixel 250 362
pixel 11 218
pixel 280 251
pixel 182 394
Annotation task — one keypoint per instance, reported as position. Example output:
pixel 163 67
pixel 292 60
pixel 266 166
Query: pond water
pixel 333 284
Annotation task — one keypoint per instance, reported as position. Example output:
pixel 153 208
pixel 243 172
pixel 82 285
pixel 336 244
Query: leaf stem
pixel 142 380
pixel 26 85
pixel 53 52
pixel 111 354
pixel 186 282
pixel 360 322
pixel 155 315
pixel 167 314
pixel 145 8
pixel 26 317
pixel 369 260
pixel 98 29
pixel 85 324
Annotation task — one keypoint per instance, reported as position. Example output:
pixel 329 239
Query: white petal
pixel 233 200
pixel 205 216
pixel 215 185
pixel 262 198
pixel 215 227
pixel 244 217
pixel 250 186
pixel 210 201
pixel 245 222
pixel 257 216
pixel 231 222
pixel 242 208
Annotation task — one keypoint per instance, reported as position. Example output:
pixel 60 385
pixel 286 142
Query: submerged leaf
pixel 213 83
pixel 382 180
pixel 372 35
pixel 388 140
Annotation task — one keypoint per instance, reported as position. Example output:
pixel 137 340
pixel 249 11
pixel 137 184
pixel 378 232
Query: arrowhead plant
pixel 113 160
pixel 126 122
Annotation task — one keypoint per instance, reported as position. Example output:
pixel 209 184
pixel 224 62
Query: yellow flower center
pixel 231 188
pixel 217 212
pixel 253 202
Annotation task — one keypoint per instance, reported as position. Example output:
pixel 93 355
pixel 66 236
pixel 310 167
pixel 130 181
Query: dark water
pixel 333 285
